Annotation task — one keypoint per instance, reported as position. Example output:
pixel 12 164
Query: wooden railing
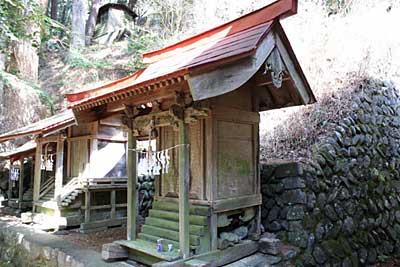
pixel 106 182
pixel 46 187
pixel 72 185
pixel 90 183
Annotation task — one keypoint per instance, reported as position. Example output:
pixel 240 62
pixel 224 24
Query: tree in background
pixel 78 23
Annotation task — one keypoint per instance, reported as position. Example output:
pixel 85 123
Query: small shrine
pixel 20 183
pixel 70 175
pixel 198 101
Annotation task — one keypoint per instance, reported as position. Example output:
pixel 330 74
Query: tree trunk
pixel 2 68
pixel 26 60
pixel 54 9
pixel 78 23
pixel 132 4
pixel 25 55
pixel 91 22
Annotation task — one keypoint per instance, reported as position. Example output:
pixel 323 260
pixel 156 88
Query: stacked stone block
pixel 342 206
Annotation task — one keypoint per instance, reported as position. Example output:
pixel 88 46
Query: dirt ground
pixel 92 241
pixel 95 241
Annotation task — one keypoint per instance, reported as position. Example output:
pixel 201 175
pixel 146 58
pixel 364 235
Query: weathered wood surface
pixel 132 183
pixel 184 165
pixel 217 257
pixel 87 206
pixel 38 172
pixel 113 252
pixel 59 168
pixel 21 183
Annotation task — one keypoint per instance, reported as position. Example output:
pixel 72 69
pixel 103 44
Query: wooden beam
pixel 59 168
pixel 184 240
pixel 38 172
pixel 132 182
pixel 294 74
pixel 21 183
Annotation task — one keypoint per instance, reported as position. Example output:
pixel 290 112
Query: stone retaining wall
pixel 342 207
pixel 15 250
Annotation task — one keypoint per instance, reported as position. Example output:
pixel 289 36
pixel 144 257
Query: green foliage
pixel 77 60
pixel 45 99
pixel 138 44
pixel 17 18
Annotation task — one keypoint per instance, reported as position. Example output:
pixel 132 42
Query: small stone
pixel 296 196
pixel 319 231
pixel 293 183
pixel 274 226
pixel 348 226
pixel 299 238
pixel 269 246
pixel 295 226
pixel 295 213
pixel 330 213
pixel 273 214
pixel 319 255
pixel 362 255
pixel 321 199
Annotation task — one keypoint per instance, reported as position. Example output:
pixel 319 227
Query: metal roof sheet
pixel 228 42
pixel 60 120
pixel 28 146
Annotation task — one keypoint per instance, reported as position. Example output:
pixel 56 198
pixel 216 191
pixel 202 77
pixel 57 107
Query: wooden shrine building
pixel 20 182
pixel 78 173
pixel 199 100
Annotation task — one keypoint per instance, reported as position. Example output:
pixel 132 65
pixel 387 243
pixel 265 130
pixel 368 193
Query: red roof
pixel 228 42
pixel 60 120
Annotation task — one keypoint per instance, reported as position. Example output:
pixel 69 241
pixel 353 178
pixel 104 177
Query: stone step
pixel 146 252
pixel 174 207
pixel 174 216
pixel 165 241
pixel 174 225
pixel 168 234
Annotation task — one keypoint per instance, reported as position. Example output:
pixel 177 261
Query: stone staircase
pixel 163 224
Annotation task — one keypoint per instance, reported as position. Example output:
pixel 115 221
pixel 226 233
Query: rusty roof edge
pixel 292 11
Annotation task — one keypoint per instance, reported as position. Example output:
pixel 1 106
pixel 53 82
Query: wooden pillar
pixel 184 241
pixel 59 169
pixel 21 183
pixel 92 157
pixel 87 205
pixel 38 171
pixel 9 192
pixel 132 184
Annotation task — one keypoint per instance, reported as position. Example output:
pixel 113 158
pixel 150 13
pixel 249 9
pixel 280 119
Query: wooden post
pixel 132 184
pixel 59 169
pixel 38 171
pixel 87 206
pixel 113 203
pixel 21 183
pixel 10 184
pixel 184 241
